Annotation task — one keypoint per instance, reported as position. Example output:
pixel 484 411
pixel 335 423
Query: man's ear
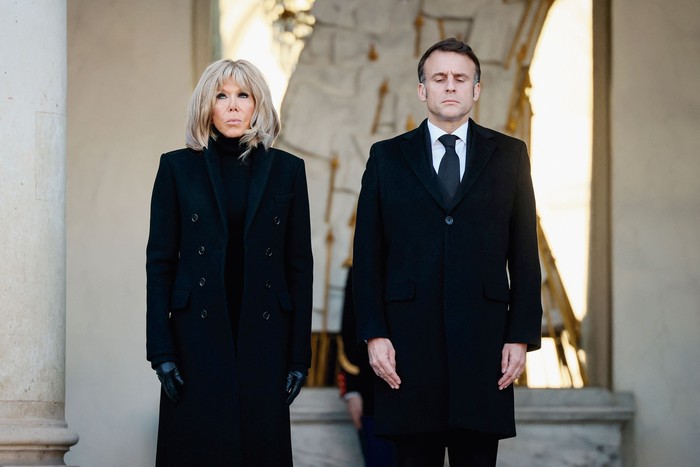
pixel 422 92
pixel 477 91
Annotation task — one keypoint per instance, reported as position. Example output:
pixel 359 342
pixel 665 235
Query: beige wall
pixel 129 80
pixel 655 118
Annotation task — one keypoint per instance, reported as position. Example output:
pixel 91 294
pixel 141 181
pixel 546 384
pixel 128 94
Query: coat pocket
pixel 399 291
pixel 179 299
pixel 497 291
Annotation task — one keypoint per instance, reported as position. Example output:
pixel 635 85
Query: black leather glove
pixel 170 380
pixel 295 380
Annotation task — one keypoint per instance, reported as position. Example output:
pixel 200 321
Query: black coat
pixel 356 354
pixel 233 405
pixel 448 283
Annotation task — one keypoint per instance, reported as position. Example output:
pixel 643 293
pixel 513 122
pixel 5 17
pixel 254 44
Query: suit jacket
pixel 233 396
pixel 449 282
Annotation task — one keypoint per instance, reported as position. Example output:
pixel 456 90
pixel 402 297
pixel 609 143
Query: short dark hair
pixel 450 45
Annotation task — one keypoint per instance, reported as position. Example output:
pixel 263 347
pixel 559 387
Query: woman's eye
pixel 221 95
pixel 243 95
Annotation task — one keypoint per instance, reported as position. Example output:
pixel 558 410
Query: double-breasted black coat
pixel 447 282
pixel 233 396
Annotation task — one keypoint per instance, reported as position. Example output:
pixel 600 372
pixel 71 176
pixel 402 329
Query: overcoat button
pixel 449 220
pixel 268 284
pixel 268 252
pixel 195 217
pixel 203 314
pixel 202 281
pixel 201 250
pixel 276 220
pixel 266 315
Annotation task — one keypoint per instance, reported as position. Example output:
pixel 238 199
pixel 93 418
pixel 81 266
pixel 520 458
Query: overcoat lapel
pixel 415 150
pixel 261 160
pixel 217 183
pixel 481 149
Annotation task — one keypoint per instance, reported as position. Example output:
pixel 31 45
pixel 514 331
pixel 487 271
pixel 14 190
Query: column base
pixel 33 434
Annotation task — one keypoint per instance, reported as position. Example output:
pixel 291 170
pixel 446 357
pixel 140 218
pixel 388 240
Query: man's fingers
pixel 512 373
pixel 382 358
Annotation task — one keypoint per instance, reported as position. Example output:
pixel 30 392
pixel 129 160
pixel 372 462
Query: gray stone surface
pixel 556 427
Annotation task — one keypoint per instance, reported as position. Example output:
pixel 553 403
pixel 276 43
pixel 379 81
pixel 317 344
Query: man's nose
pixel 450 83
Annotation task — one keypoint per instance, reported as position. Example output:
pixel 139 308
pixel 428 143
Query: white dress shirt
pixel 439 149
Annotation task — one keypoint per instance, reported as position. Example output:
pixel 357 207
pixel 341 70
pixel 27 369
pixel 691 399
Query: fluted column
pixel 33 431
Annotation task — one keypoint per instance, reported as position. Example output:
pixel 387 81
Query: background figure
pixel 357 388
pixel 446 273
pixel 229 270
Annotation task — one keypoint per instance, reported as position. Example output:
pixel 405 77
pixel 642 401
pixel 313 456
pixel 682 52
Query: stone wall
pixel 655 223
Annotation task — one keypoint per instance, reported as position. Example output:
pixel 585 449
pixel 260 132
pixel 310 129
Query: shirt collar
pixel 436 132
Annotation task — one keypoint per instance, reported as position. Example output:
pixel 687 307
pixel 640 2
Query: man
pixel 446 273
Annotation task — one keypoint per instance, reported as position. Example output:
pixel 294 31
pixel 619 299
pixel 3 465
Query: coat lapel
pixel 217 183
pixel 414 148
pixel 261 160
pixel 481 148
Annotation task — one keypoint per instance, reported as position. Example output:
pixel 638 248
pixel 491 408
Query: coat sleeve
pixel 299 270
pixel 525 312
pixel 369 253
pixel 161 265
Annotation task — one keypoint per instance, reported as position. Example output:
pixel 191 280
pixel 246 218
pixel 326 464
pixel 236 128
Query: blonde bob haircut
pixel 264 124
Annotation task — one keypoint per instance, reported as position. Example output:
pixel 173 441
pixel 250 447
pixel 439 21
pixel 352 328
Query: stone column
pixel 33 66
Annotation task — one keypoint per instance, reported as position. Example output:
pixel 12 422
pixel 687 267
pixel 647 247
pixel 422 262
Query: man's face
pixel 448 90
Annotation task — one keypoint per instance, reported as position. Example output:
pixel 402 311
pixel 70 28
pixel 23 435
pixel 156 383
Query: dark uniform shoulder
pixel 286 158
pixel 182 153
pixel 397 139
pixel 276 152
pixel 497 135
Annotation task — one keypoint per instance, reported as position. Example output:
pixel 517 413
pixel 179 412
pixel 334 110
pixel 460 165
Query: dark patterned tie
pixel 449 165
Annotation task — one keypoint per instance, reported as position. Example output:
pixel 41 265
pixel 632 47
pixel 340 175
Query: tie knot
pixel 448 140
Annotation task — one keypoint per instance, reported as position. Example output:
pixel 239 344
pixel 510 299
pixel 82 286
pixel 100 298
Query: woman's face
pixel 233 109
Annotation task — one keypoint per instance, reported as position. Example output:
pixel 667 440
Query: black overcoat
pixel 232 397
pixel 447 282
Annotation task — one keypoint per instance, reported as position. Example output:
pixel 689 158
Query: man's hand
pixel 170 380
pixel 512 364
pixel 382 358
pixel 295 380
pixel 354 403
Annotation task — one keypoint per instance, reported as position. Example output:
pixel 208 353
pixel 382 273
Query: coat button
pixel 268 252
pixel 276 220
pixel 202 281
pixel 203 314
pixel 195 217
pixel 449 220
pixel 266 315
pixel 268 284
pixel 201 250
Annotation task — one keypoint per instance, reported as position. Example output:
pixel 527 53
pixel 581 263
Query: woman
pixel 229 272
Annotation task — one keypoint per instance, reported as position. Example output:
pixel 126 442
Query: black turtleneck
pixel 236 178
